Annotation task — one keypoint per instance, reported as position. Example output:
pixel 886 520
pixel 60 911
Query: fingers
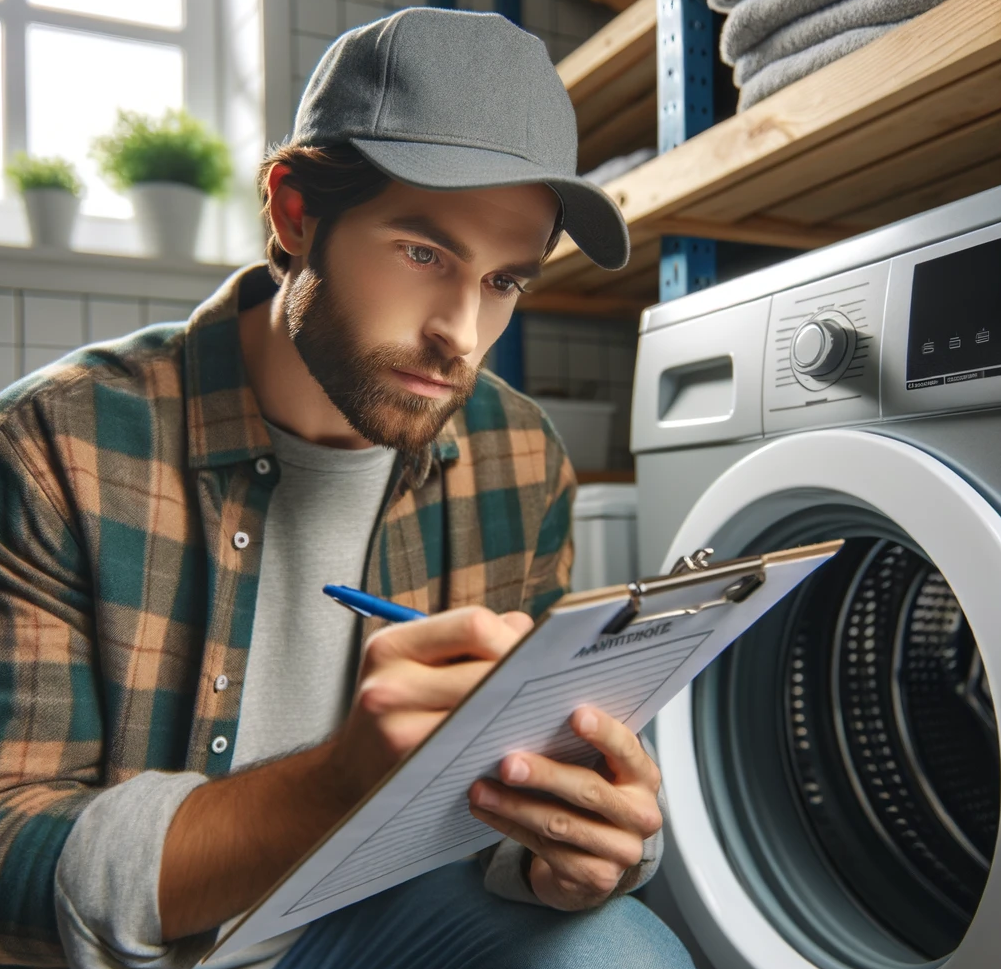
pixel 472 631
pixel 629 807
pixel 402 732
pixel 548 827
pixel 624 753
pixel 410 685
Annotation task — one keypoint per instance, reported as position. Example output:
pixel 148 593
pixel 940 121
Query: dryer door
pixel 833 778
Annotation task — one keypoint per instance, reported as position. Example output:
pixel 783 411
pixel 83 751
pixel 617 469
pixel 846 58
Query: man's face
pixel 415 288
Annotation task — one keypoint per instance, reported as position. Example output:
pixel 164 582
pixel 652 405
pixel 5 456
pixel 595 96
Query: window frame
pixel 200 41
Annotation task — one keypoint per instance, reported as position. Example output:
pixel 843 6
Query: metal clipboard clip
pixel 698 561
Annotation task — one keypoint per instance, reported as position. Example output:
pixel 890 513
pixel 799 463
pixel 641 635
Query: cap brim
pixel 590 217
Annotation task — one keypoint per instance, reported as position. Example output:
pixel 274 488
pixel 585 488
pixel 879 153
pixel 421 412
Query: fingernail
pixel 517 770
pixel 487 798
pixel 588 723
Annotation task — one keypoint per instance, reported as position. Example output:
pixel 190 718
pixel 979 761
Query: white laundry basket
pixel 604 533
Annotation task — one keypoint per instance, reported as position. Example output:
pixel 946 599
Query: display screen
pixel 955 326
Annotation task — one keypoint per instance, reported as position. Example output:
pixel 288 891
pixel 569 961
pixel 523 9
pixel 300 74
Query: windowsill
pixel 39 269
pixel 108 260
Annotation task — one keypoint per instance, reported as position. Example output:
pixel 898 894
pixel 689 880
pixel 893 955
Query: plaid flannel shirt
pixel 126 469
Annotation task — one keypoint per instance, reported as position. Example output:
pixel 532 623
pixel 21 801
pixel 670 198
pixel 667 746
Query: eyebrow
pixel 426 227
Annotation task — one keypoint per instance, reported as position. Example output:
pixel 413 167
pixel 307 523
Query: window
pixel 68 65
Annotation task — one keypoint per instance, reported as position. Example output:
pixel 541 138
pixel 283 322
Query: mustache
pixel 425 360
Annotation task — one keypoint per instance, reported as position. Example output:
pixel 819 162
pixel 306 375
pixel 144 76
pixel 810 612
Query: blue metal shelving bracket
pixel 685 52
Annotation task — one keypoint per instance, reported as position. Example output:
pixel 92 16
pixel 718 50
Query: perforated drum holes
pixel 849 751
pixel 918 759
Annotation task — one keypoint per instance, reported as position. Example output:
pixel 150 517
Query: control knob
pixel 819 346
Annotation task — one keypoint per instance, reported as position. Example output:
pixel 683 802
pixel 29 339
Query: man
pixel 183 713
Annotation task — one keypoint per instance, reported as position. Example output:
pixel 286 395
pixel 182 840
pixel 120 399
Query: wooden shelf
pixel 612 82
pixel 909 122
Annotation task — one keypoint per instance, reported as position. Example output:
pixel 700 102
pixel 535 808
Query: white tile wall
pixel 53 321
pixel 168 312
pixel 573 19
pixel 538 15
pixel 584 358
pixel 317 17
pixel 356 14
pixel 37 357
pixel 8 366
pixel 308 51
pixel 56 324
pixel 111 318
pixel 7 317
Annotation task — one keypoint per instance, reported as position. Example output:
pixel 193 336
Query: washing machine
pixel 833 777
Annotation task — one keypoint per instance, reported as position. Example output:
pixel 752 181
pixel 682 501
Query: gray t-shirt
pixel 297 690
pixel 317 530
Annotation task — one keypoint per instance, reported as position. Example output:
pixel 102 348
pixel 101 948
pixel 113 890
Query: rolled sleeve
pixel 108 876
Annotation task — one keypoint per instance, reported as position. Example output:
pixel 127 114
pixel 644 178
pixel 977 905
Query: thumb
pixel 520 622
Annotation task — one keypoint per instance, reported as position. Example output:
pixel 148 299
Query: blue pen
pixel 366 605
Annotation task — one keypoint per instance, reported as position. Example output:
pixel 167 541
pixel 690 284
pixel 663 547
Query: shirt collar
pixel 225 425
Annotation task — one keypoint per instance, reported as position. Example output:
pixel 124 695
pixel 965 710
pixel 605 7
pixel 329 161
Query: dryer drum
pixel 849 752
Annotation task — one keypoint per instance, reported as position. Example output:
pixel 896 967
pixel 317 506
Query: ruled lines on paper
pixel 536 718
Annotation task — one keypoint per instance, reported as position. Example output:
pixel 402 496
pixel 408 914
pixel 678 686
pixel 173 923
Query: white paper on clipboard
pixel 418 819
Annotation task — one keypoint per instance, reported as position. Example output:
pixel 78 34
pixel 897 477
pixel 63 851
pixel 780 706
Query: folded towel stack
pixel 771 43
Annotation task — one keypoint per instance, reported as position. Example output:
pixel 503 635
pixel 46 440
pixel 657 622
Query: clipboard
pixel 626 649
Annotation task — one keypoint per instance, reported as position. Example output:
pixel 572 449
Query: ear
pixel 293 228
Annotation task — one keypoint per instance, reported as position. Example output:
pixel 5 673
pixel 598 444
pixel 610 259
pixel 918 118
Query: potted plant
pixel 51 192
pixel 168 166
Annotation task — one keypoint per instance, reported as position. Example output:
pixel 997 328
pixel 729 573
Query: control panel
pixel 943 326
pixel 821 358
pixel 916 330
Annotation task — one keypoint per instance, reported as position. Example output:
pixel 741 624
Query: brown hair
pixel 331 179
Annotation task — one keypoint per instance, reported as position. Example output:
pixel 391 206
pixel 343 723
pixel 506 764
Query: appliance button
pixel 819 347
pixel 808 350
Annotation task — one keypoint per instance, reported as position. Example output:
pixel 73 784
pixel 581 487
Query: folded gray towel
pixel 784 71
pixel 751 21
pixel 817 27
pixel 722 6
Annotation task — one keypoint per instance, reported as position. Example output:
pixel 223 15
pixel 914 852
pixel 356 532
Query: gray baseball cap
pixel 448 99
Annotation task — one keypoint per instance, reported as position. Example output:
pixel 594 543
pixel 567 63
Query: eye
pixel 421 255
pixel 506 284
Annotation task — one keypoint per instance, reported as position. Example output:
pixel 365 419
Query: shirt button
pixel 241 540
pixel 219 745
pixel 262 466
pixel 221 682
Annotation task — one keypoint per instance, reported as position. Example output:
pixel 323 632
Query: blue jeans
pixel 446 919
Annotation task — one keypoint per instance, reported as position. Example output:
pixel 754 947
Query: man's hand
pixel 411 677
pixel 230 839
pixel 584 842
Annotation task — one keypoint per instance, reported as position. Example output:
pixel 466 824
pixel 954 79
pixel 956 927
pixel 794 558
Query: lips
pixel 423 386
pixel 420 376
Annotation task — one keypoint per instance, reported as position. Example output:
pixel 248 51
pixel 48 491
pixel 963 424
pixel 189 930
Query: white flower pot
pixel 51 216
pixel 168 215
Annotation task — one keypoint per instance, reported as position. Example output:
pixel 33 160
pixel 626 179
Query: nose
pixel 453 323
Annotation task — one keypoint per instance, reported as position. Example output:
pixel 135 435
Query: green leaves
pixel 174 148
pixel 27 173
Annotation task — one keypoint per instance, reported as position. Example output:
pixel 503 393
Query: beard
pixel 356 379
